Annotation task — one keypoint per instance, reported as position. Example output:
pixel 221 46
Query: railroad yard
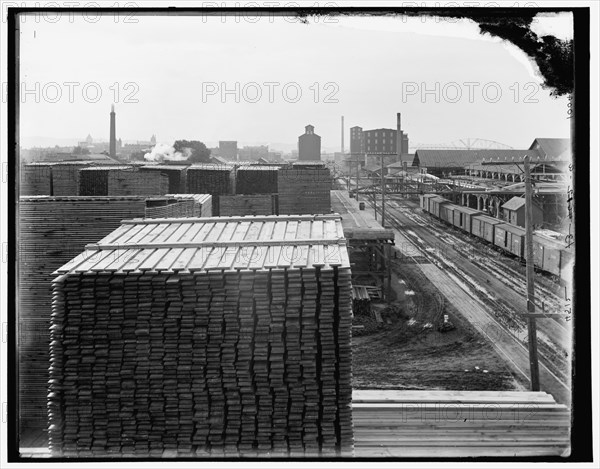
pixel 482 290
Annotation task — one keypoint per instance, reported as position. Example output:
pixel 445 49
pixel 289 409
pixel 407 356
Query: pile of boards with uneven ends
pixel 202 204
pixel 459 424
pixel 214 179
pixel 207 337
pixel 52 230
pixel 175 173
pixel 121 181
pixel 179 205
pixel 304 189
pixel 361 300
pixel 242 205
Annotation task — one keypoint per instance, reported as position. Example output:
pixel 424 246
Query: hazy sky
pixel 167 74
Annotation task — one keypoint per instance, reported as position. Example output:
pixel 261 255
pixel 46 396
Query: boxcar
pixel 425 200
pixel 435 203
pixel 550 255
pixel 462 217
pixel 447 212
pixel 482 226
pixel 510 238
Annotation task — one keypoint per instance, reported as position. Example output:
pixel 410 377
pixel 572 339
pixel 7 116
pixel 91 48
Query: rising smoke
pixel 165 152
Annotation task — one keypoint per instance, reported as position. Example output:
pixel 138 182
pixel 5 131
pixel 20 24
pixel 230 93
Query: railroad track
pixel 552 360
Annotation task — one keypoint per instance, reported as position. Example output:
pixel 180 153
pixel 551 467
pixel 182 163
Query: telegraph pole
pixel 357 171
pixel 382 195
pixel 531 324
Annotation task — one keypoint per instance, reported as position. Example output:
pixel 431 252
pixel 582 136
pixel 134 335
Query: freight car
pixel 549 255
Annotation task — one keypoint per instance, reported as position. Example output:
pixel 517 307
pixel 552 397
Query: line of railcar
pixel 549 256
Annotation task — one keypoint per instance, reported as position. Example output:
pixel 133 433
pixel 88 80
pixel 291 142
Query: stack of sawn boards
pixel 242 205
pixel 304 190
pixel 36 179
pixel 175 173
pixel 459 424
pixel 53 230
pixel 121 181
pixel 237 343
pixel 211 179
pixel 256 180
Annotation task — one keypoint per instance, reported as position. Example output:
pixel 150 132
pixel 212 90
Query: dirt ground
pixel 410 353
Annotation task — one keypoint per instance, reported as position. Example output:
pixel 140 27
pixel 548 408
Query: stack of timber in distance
pixel 179 205
pixel 36 179
pixel 137 183
pixel 210 336
pixel 94 181
pixel 304 189
pixel 202 203
pixel 242 205
pixel 121 181
pixel 65 178
pixel 257 179
pixel 214 179
pixel 169 207
pixel 361 300
pixel 175 173
pixel 51 231
pixel 459 424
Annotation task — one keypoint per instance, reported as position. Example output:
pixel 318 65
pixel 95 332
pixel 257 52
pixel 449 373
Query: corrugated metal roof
pixel 259 167
pixel 218 243
pixel 461 158
pixel 553 148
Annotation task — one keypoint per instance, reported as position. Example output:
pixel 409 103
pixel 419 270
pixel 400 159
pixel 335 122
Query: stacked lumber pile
pixel 65 178
pixel 36 179
pixel 137 183
pixel 459 424
pixel 51 231
pixel 94 181
pixel 256 180
pixel 202 203
pixel 236 343
pixel 361 300
pixel 213 179
pixel 304 190
pixel 175 173
pixel 169 208
pixel 242 205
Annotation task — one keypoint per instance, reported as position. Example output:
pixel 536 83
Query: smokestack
pixel 113 133
pixel 342 135
pixel 399 136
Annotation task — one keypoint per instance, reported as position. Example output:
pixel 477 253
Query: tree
pixel 198 153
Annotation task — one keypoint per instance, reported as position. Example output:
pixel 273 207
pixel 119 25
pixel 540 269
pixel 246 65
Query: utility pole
pixel 531 324
pixel 382 195
pixel 357 171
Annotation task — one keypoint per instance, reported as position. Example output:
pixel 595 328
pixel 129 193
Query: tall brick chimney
pixel 113 133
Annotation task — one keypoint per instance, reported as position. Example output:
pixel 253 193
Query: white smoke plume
pixel 164 151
